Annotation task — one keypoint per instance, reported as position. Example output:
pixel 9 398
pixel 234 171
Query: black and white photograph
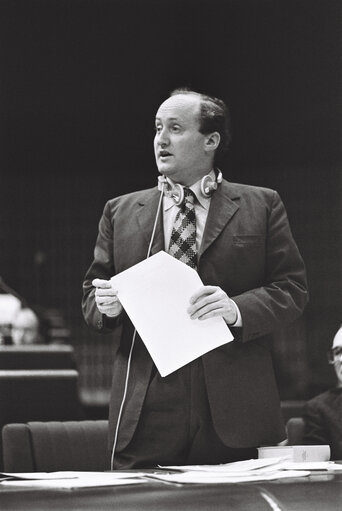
pixel 171 255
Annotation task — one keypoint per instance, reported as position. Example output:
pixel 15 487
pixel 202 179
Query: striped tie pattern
pixel 183 237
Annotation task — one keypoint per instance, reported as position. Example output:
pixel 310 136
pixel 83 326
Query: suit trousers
pixel 175 426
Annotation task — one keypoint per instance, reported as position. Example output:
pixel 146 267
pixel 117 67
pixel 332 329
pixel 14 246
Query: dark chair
pixel 37 357
pixel 295 431
pixel 54 446
pixel 39 395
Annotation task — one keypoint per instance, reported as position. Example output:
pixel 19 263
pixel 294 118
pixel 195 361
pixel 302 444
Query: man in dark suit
pixel 323 414
pixel 220 407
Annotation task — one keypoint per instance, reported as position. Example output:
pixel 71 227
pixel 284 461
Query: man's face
pixel 338 369
pixel 337 347
pixel 179 147
pixel 25 328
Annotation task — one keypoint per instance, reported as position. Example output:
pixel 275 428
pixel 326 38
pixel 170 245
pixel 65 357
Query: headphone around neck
pixel 176 191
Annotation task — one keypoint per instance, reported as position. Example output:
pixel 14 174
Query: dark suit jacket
pixel 248 251
pixel 323 421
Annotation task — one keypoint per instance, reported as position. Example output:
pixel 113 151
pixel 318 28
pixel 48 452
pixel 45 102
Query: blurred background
pixel 80 84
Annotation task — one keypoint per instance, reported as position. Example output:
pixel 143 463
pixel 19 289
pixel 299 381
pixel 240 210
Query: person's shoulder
pixel 323 398
pixel 246 189
pixel 131 198
pixel 252 196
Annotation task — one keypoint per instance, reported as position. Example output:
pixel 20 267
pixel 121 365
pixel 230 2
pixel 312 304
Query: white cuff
pixel 238 321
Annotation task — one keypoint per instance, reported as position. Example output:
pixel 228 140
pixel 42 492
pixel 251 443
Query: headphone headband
pixel 175 190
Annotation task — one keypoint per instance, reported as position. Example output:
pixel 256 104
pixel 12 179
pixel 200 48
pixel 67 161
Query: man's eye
pixel 157 128
pixel 175 128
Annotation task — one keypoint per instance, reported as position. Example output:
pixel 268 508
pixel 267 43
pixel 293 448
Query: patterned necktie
pixel 183 237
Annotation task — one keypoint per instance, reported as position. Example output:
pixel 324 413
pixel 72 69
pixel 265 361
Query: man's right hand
pixel 106 298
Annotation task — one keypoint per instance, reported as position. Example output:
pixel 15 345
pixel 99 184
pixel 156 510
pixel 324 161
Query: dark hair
pixel 214 116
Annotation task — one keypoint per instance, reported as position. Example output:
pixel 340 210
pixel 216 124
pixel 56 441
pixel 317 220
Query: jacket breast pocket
pixel 248 240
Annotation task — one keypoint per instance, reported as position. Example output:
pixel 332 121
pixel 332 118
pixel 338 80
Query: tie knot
pixel 189 195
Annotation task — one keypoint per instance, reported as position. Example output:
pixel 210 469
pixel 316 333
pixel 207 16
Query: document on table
pixel 234 467
pixel 236 472
pixel 216 478
pixel 155 294
pixel 71 480
pixel 264 469
pixel 31 476
pixel 259 465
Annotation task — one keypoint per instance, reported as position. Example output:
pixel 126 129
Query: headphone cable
pixel 133 341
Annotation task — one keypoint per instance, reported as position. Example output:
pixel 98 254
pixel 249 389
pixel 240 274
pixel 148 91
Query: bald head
pixel 337 341
pixel 25 327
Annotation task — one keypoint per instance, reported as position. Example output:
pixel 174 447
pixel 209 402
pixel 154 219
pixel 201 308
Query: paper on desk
pixel 216 478
pixel 312 465
pixel 234 467
pixel 261 469
pixel 70 484
pixel 24 476
pixel 155 294
pixel 72 480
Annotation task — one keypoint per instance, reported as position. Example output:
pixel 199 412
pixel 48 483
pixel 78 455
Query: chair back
pixel 39 395
pixel 54 446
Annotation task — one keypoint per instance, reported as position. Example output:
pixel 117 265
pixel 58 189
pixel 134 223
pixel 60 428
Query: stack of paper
pixel 237 472
pixel 243 471
pixel 70 480
pixel 296 452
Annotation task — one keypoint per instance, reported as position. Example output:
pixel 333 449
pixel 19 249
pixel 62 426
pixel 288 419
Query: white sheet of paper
pixel 232 468
pixel 216 478
pixel 73 480
pixel 312 465
pixel 69 474
pixel 155 294
pixel 30 476
pixel 71 484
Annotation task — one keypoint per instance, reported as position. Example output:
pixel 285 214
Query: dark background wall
pixel 80 84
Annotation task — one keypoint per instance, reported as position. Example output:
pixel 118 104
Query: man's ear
pixel 212 141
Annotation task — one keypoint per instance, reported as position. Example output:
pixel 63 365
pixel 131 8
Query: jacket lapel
pixel 223 206
pixel 147 211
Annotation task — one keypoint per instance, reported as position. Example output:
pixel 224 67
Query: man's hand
pixel 106 298
pixel 210 301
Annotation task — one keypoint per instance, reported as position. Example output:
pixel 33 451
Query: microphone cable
pixel 133 340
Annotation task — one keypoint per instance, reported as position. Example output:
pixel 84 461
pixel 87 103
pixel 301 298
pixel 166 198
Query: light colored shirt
pixel 202 204
pixel 170 210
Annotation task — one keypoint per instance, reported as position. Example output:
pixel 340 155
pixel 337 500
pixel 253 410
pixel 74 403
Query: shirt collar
pixel 204 202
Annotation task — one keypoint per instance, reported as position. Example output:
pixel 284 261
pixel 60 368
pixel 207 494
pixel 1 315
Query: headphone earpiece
pixel 175 190
pixel 208 186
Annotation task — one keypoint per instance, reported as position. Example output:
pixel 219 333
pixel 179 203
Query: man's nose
pixel 162 138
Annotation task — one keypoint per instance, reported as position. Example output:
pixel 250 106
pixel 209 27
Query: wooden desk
pixel 319 492
pixel 40 356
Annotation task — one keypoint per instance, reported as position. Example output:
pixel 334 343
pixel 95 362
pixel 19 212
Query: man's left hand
pixel 211 301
